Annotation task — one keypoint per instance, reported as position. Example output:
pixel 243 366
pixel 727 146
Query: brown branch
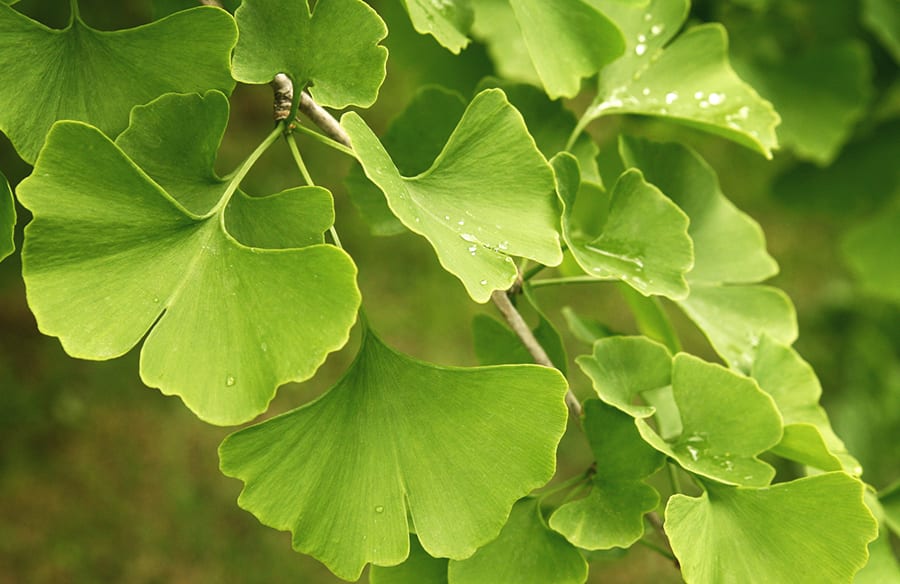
pixel 520 327
pixel 324 120
pixel 654 520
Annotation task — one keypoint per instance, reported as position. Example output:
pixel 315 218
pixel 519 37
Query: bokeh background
pixel 104 480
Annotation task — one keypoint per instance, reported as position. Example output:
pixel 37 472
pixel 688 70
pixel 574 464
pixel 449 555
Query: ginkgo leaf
pixel 553 44
pixel 413 140
pixel 111 256
pixel 487 197
pixel 525 552
pixel 550 123
pixel 687 80
pixel 191 127
pixel 792 383
pixel 7 218
pixel 869 248
pixel 334 48
pixel 727 422
pixel 729 246
pixel 622 369
pixel 419 568
pixel 586 330
pixel 448 21
pixel 644 240
pixel 398 441
pixel 98 76
pixel 813 529
pixel 735 318
pixel 163 8
pixel 567 41
pixel 612 513
pixel 496 344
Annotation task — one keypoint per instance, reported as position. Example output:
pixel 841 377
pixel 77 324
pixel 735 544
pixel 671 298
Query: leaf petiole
pixel 245 167
pixel 324 139
pixel 301 166
pixel 563 281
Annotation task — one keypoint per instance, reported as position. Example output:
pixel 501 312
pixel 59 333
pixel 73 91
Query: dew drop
pixel 693 452
pixel 446 217
pixel 648 17
pixel 156 300
pixel 640 49
pixel 379 509
pixel 704 104
pixel 264 347
pixel 461 222
pixel 468 237
pixel 473 249
pixel 699 95
pixel 657 29
pixel 716 98
pixel 744 112
pixel 642 38
pixel 645 91
pixel 229 381
pixel 483 282
pixel 671 97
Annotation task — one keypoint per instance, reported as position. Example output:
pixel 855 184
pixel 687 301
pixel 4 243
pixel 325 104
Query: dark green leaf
pixel 419 568
pixel 450 449
pixel 883 18
pixel 866 248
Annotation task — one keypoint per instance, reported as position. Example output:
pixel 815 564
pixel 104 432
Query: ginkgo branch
pixel 520 327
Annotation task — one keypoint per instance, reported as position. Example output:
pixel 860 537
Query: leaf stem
pixel 654 520
pixel 74 13
pixel 650 318
pixel 563 281
pixel 298 159
pixel 657 549
pixel 520 327
pixel 674 480
pixel 569 483
pixel 245 167
pixel 325 140
pixel 583 122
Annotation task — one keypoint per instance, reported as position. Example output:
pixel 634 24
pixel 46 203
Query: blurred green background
pixel 104 480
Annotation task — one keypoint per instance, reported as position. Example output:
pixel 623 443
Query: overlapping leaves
pixel 724 420
pixel 814 529
pixel 334 48
pixel 399 441
pixel 612 512
pixel 488 195
pixel 688 80
pixel 644 240
pixel 448 21
pixel 98 76
pixel 557 43
pixel 7 218
pixel 729 250
pixel 111 256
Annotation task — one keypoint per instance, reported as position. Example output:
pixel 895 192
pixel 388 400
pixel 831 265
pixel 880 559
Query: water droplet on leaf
pixel 379 509
pixel 229 381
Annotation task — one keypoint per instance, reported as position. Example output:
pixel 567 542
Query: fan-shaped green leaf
pixel 448 21
pixel 644 241
pixel 526 552
pixel 7 218
pixel 612 513
pixel 623 368
pixel 163 8
pixel 586 330
pixel 729 246
pixel 450 449
pixel 811 530
pixel 495 24
pixel 110 256
pixel 413 140
pixel 496 344
pixel 868 249
pixel 726 419
pixel 488 195
pixel 689 80
pixel 334 48
pixel 882 567
pixel 98 76
pixel 419 568
pixel 550 123
pixel 734 319
pixel 792 383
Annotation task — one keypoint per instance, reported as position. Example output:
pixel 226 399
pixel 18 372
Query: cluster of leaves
pixel 135 237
